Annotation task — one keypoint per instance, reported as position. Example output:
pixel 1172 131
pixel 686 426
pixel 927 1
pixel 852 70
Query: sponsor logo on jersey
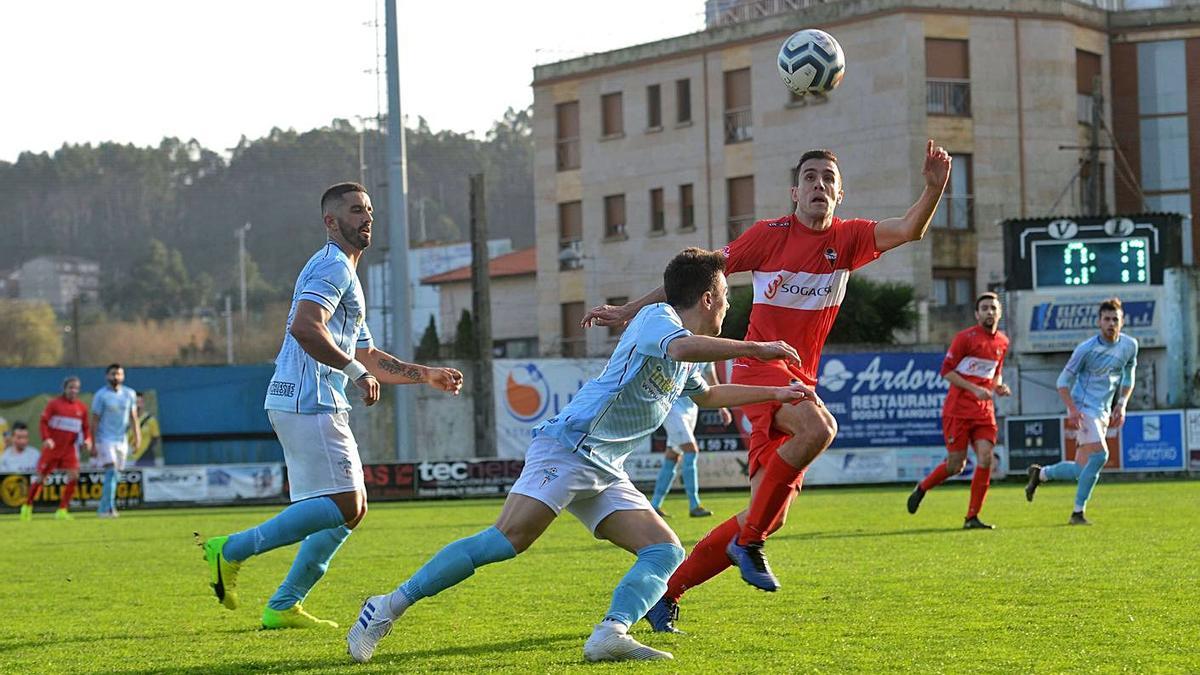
pixel 977 367
pixel 800 290
pixel 782 222
pixel 62 423
pixel 658 383
pixel 285 389
pixel 831 255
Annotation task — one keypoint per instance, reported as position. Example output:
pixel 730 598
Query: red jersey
pixel 800 277
pixel 978 356
pixel 65 421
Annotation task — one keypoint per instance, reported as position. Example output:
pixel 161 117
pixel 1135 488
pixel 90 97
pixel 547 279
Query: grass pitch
pixel 866 588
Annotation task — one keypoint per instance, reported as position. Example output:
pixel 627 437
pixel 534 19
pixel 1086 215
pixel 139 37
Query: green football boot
pixel 293 617
pixel 222 574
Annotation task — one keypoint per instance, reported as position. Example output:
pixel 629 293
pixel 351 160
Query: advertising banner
pixel 14 488
pixel 467 477
pixel 889 400
pixel 1193 439
pixel 711 434
pixel 390 481
pixel 176 484
pixel 528 392
pixel 1034 440
pixel 1153 441
pixel 232 482
pixel 1058 321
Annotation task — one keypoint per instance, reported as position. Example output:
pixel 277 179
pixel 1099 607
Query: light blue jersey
pixel 113 408
pixel 301 384
pixel 1095 371
pixel 631 398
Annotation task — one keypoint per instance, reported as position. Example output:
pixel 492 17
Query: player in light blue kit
pixel 326 345
pixel 114 412
pixel 575 460
pixel 681 441
pixel 1097 369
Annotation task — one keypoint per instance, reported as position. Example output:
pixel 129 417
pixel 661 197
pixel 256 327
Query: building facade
pixel 55 280
pixel 514 302
pixel 643 151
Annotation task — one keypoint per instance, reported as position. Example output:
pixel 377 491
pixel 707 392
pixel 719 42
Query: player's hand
pixel 606 315
pixel 446 379
pixel 1003 390
pixel 1074 419
pixel 87 444
pixel 369 387
pixel 794 393
pixel 937 166
pixel 726 416
pixel 775 351
pixel 1118 416
pixel 981 393
pixel 48 444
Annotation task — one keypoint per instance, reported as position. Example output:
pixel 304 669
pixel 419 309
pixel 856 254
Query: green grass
pixel 866 588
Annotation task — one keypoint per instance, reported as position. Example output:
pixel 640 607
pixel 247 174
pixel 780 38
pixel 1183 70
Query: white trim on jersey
pixel 800 290
pixel 977 367
pixel 64 423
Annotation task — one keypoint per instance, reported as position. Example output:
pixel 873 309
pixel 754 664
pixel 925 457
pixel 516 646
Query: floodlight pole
pixel 401 343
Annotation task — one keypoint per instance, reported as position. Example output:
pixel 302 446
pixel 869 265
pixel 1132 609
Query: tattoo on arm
pixel 405 370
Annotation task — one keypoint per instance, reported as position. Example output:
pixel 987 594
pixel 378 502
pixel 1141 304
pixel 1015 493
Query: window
pixel 614 216
pixel 1087 70
pixel 683 101
pixel 947 78
pixel 614 332
pixel 953 287
pixel 1163 124
pixel 740 195
pixel 566 134
pixel 612 117
pixel 687 214
pixel 658 218
pixel 956 212
pixel 738 126
pixel 574 342
pixel 654 107
pixel 570 234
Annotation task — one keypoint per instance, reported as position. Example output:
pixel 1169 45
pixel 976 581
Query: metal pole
pixel 240 233
pixel 481 306
pixel 401 345
pixel 228 330
pixel 1095 175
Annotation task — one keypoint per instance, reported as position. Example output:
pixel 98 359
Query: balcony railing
pixel 948 97
pixel 956 212
pixel 567 153
pixel 739 224
pixel 574 347
pixel 570 254
pixel 738 127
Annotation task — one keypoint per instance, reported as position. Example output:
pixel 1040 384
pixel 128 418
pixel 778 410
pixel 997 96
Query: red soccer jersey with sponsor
pixel 978 356
pixel 64 421
pixel 800 277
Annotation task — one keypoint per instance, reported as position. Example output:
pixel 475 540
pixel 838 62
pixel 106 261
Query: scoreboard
pixel 1086 253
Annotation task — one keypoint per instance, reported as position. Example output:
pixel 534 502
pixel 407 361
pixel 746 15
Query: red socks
pixel 774 492
pixel 979 489
pixel 35 489
pixel 67 493
pixel 706 561
pixel 935 477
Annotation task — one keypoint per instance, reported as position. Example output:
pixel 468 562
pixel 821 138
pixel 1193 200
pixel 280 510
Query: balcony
pixel 738 128
pixel 570 255
pixel 948 97
pixel 567 154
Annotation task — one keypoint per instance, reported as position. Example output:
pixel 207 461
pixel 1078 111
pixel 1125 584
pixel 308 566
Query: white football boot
pixel 372 625
pixel 610 641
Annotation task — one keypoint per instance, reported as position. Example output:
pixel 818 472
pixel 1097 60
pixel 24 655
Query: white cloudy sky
pixel 136 70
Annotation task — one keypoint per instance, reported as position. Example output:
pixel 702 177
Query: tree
pixel 873 311
pixel 29 334
pixel 158 286
pixel 465 346
pixel 430 347
pixel 737 318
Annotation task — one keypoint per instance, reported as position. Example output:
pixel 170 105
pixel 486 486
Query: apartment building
pixel 686 141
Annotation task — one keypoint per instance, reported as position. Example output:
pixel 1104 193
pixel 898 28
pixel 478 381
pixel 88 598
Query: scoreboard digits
pixel 1092 262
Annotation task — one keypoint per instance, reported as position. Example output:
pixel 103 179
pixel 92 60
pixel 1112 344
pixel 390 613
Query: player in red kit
pixel 800 264
pixel 973 369
pixel 64 423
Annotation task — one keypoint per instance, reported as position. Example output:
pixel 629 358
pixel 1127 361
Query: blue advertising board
pixel 1153 441
pixel 884 399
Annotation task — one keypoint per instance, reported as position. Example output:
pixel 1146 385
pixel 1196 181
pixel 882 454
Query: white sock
pixel 395 603
pixel 1042 475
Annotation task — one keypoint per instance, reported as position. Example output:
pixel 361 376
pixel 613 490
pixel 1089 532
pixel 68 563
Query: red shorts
pixel 764 437
pixel 960 432
pixel 60 460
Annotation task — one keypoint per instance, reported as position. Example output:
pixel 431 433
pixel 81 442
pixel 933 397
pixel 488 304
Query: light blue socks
pixel 690 479
pixel 452 565
pixel 292 524
pixel 1065 470
pixel 309 566
pixel 644 583
pixel 1088 478
pixel 662 484
pixel 108 494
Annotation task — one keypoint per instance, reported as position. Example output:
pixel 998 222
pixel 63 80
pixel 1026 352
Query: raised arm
pixel 611 315
pixel 702 349
pixel 893 232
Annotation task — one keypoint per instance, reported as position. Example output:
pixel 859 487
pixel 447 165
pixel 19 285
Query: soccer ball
pixel 811 62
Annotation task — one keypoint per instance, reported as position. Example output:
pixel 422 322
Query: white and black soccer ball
pixel 811 62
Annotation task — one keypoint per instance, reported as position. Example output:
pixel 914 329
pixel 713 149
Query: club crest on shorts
pixel 346 466
pixel 548 475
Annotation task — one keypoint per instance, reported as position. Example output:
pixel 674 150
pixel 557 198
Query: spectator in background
pixel 147 451
pixel 114 412
pixel 19 457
